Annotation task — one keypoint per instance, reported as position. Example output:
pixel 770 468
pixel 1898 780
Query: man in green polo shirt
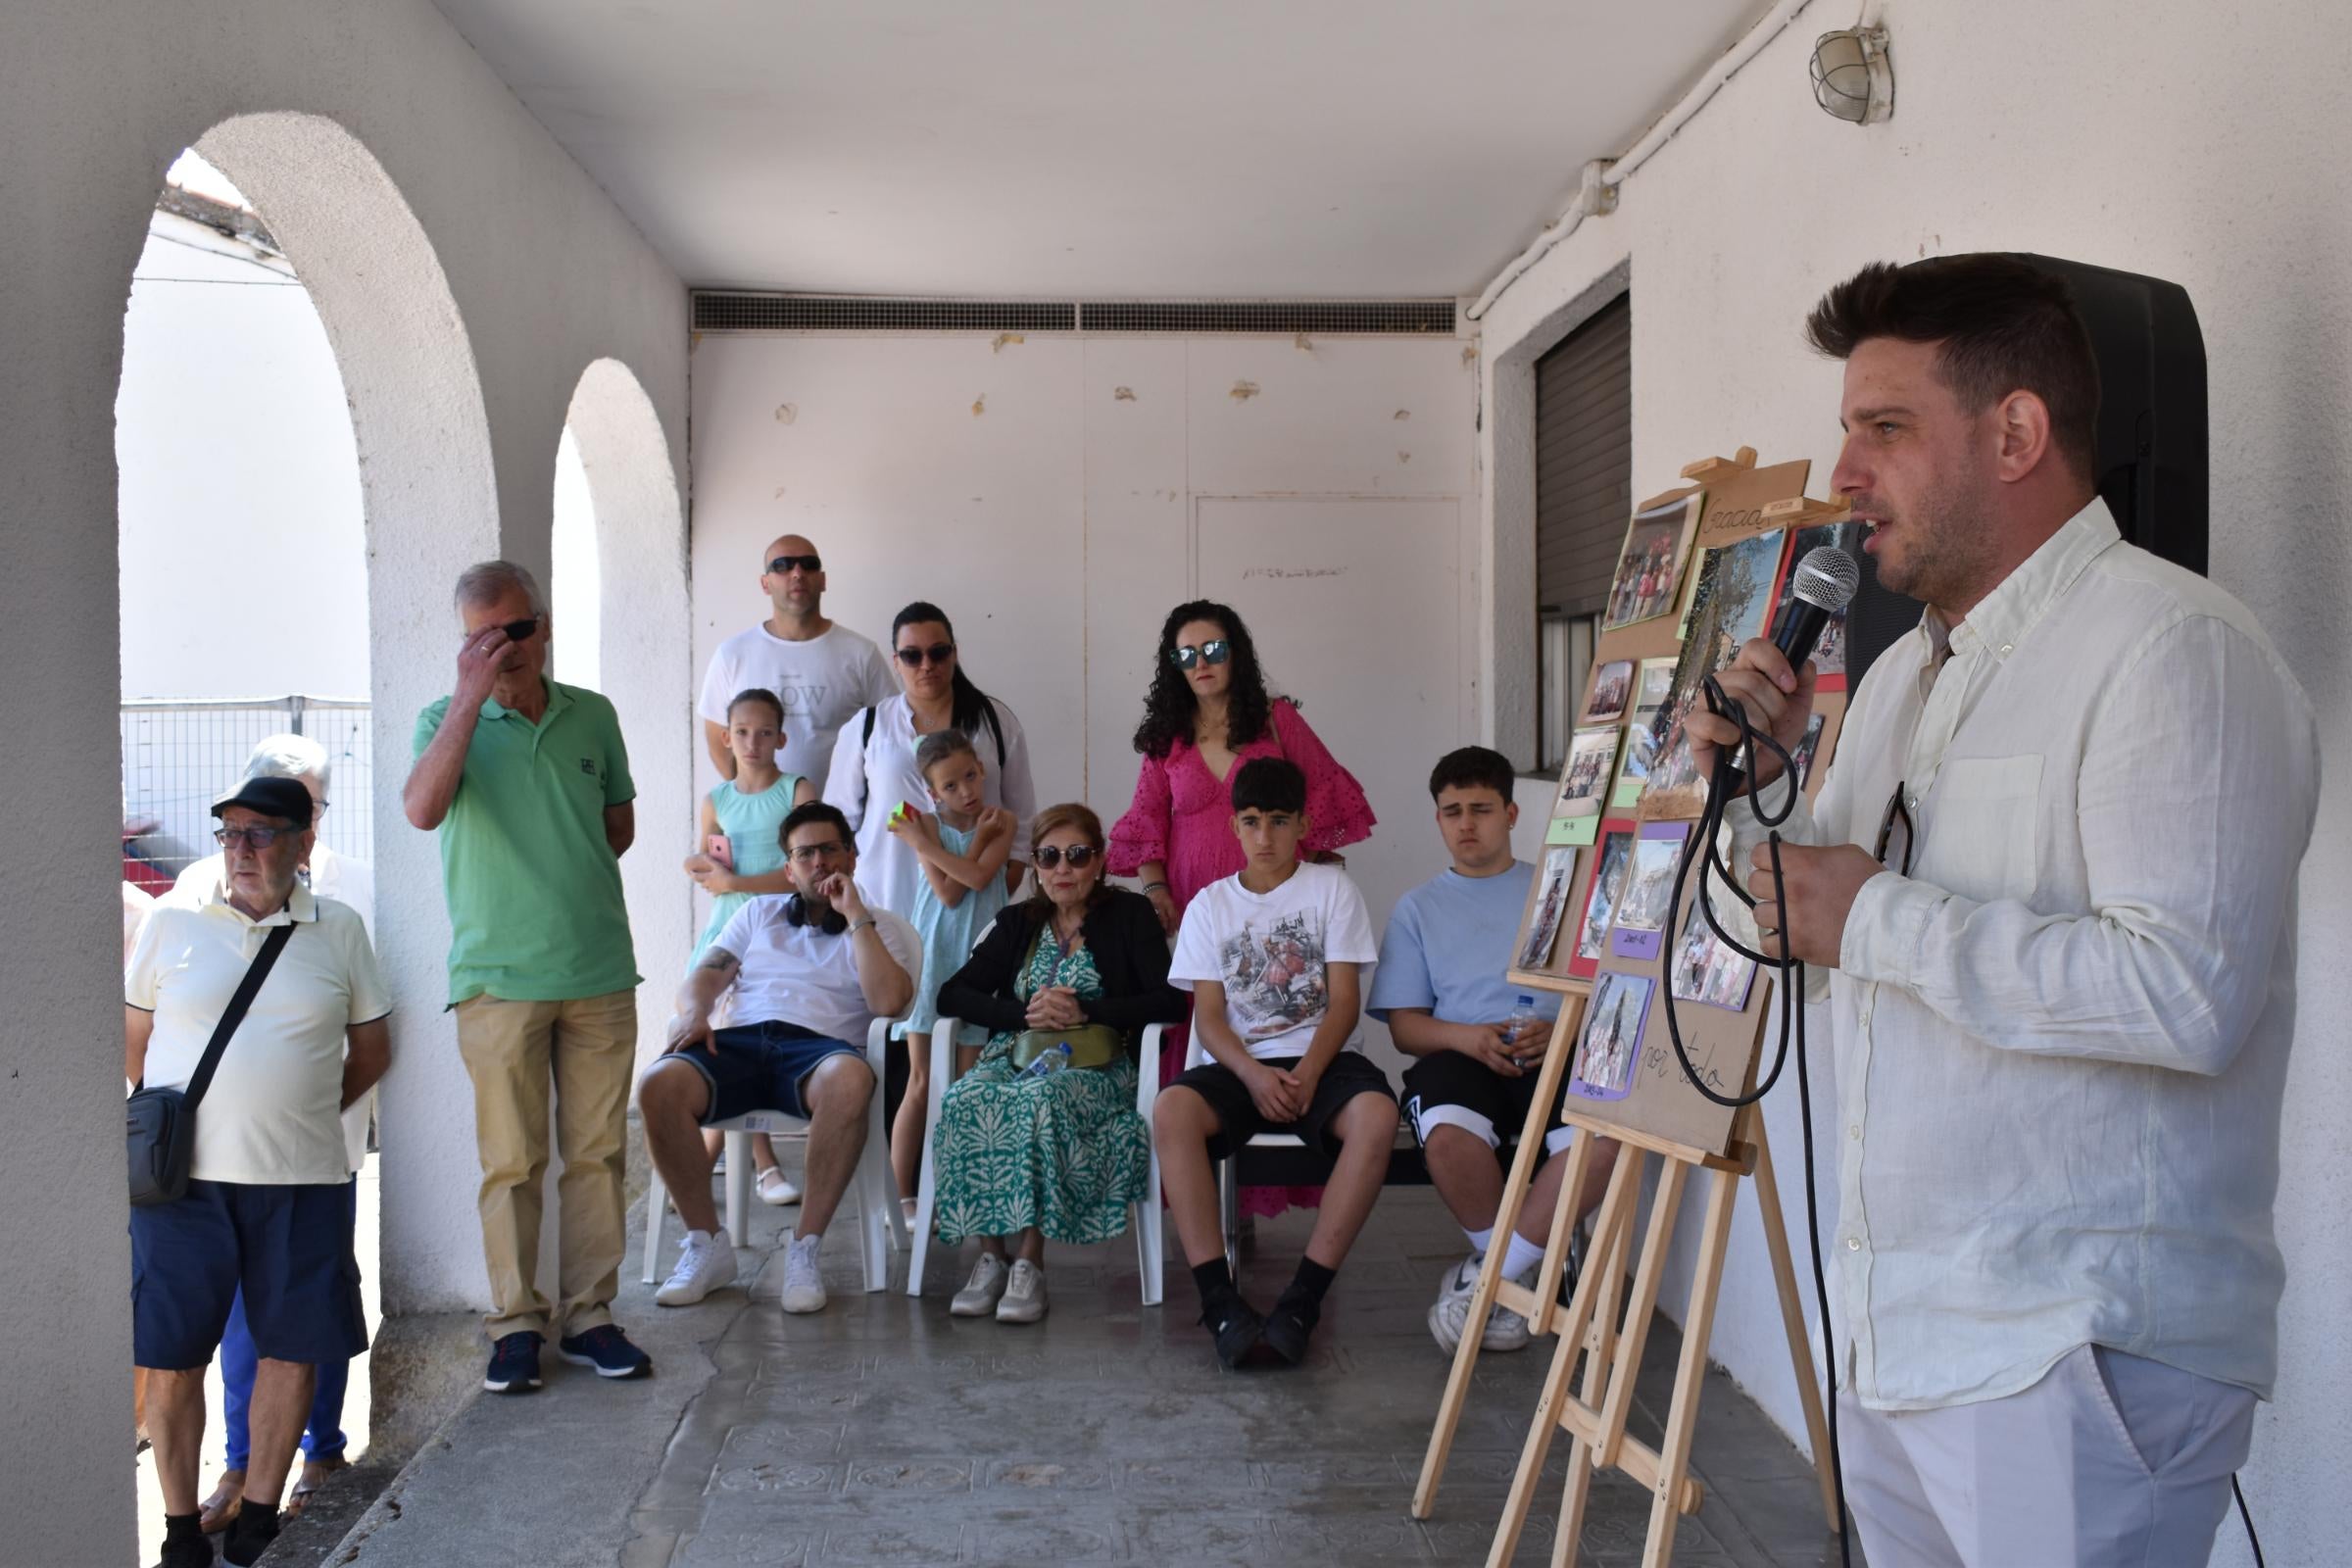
pixel 529 783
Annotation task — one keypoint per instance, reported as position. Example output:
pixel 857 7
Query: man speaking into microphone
pixel 2050 881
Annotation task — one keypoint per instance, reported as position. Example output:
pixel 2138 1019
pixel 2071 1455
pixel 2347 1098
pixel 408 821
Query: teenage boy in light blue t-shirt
pixel 1441 988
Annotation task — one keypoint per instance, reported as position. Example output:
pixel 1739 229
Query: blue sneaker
pixel 513 1364
pixel 609 1350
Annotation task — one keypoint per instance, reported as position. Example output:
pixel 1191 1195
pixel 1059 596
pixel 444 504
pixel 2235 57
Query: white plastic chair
pixel 881 1223
pixel 1143 1219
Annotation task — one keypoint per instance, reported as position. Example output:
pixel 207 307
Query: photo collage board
pixel 1702 570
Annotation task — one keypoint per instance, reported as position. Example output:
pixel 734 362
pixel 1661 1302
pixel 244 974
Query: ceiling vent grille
pixel 807 313
pixel 1373 316
pixel 718 310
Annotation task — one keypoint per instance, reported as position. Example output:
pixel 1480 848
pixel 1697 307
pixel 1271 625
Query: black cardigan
pixel 1131 955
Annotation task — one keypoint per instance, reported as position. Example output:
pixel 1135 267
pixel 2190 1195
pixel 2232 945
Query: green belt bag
pixel 1093 1045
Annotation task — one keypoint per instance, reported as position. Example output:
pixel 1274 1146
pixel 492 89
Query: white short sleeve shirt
pixel 821 682
pixel 1271 952
pixel 273 1114
pixel 799 974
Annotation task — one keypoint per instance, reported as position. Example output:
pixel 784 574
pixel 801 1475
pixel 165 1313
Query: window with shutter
pixel 1584 493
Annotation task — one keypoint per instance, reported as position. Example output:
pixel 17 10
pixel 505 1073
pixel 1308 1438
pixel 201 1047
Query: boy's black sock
pixel 1306 1287
pixel 1214 1281
pixel 176 1524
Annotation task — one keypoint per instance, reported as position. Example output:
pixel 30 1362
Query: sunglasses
pixel 937 654
pixel 1078 856
pixel 518 630
pixel 1896 812
pixel 1213 651
pixel 782 566
pixel 253 838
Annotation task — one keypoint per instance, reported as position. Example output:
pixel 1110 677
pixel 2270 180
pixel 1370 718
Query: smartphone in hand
pixel 719 851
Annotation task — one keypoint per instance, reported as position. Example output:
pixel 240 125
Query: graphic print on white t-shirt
pixel 821 682
pixel 1274 978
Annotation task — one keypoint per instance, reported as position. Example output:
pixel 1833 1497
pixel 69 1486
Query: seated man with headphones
pixel 811 970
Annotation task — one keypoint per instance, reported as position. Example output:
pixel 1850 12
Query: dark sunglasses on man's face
pixel 1216 651
pixel 938 654
pixel 783 564
pixel 1079 856
pixel 518 630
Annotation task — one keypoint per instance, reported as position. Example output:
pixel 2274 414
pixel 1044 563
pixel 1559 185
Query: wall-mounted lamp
pixel 1852 77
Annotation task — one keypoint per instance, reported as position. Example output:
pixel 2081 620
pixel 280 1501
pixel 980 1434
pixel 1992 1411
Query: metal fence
pixel 179 756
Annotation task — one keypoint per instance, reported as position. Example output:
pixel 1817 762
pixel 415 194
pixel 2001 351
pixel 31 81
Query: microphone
pixel 1824 584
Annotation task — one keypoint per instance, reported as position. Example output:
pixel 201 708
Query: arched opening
pixel 297 533
pixel 618 520
pixel 244 631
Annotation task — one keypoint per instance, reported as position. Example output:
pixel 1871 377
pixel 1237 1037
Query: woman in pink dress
pixel 1206 713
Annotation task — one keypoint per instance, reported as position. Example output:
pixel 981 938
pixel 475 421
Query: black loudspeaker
pixel 2152 448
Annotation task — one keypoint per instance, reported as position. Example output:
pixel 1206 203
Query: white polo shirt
pixel 271 1116
pixel 798 974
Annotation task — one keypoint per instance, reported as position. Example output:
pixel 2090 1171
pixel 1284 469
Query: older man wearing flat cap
pixel 268 1207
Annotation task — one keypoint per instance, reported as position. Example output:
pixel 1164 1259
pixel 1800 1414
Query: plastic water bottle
pixel 1525 1024
pixel 1050 1062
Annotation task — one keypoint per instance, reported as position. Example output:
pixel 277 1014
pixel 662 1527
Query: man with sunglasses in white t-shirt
pixel 822 670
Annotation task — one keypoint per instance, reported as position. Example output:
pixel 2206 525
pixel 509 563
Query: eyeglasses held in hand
pixel 810 853
pixel 518 630
pixel 782 566
pixel 255 838
pixel 1079 856
pixel 1216 651
pixel 938 654
pixel 1896 811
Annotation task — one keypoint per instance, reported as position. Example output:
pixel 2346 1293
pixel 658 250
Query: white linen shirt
pixel 2061 1041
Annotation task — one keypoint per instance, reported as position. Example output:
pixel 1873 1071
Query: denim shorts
pixel 760 1067
pixel 289 1247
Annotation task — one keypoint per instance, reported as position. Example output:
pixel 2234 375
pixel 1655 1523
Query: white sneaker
pixel 982 1292
pixel 1449 1314
pixel 704 1266
pixel 776 1189
pixel 1024 1295
pixel 803 1286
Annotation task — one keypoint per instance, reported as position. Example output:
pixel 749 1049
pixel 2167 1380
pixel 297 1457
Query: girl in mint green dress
pixel 741 857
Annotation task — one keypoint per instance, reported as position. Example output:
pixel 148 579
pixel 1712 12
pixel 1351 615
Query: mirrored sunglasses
pixel 1079 856
pixel 1213 651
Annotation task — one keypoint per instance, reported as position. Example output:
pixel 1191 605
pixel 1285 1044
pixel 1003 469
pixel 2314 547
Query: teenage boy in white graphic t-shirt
pixel 822 670
pixel 1275 958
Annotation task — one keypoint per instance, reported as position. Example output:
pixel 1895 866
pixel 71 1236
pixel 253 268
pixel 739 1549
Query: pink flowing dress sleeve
pixel 1335 807
pixel 1142 834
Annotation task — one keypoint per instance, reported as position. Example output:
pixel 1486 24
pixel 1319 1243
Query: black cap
pixel 286 797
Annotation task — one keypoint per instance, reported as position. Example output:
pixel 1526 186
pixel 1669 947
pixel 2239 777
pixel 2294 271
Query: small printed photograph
pixel 1612 685
pixel 1608 881
pixel 1729 606
pixel 1654 684
pixel 1611 1040
pixel 1591 754
pixel 1807 749
pixel 1651 564
pixel 1676 773
pixel 1552 901
pixel 1828 654
pixel 1640 925
pixel 1707 972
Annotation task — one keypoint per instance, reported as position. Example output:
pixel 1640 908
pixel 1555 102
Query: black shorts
pixel 1448 1089
pixel 1349 1074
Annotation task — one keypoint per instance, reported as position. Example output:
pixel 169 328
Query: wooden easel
pixel 1594 1416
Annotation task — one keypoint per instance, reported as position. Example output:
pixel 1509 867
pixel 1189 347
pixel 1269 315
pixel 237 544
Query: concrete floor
pixel 883 1430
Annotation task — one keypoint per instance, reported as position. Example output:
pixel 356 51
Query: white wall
pixel 458 395
pixel 1061 521
pixel 2184 141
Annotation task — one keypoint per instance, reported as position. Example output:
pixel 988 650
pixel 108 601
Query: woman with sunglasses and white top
pixel 1027 1156
pixel 1207 712
pixel 873 761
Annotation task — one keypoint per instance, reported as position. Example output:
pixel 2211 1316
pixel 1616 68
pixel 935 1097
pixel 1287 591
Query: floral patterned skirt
pixel 1065 1152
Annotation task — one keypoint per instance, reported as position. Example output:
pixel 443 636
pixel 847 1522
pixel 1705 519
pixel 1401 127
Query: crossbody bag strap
pixel 254 974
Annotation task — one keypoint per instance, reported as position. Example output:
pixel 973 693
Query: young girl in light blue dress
pixel 741 854
pixel 962 847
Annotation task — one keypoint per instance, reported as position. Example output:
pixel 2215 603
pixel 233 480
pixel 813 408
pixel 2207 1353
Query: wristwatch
pixel 856 926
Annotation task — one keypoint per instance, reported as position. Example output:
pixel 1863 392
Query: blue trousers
pixel 324 1438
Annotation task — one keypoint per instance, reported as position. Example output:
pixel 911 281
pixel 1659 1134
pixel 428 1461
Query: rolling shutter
pixel 1584 461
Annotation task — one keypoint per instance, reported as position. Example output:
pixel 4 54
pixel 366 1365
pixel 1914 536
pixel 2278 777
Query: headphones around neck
pixel 795 913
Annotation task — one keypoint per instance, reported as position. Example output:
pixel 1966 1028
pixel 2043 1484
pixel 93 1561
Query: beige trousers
pixel 514 1051
pixel 2110 1461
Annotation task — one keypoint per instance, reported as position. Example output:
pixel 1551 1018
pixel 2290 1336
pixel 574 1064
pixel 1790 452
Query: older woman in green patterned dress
pixel 1022 1156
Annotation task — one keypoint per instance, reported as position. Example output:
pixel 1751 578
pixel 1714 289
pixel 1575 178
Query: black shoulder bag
pixel 158 1125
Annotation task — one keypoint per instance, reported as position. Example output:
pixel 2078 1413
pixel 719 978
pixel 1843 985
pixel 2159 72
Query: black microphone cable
pixel 1722 787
